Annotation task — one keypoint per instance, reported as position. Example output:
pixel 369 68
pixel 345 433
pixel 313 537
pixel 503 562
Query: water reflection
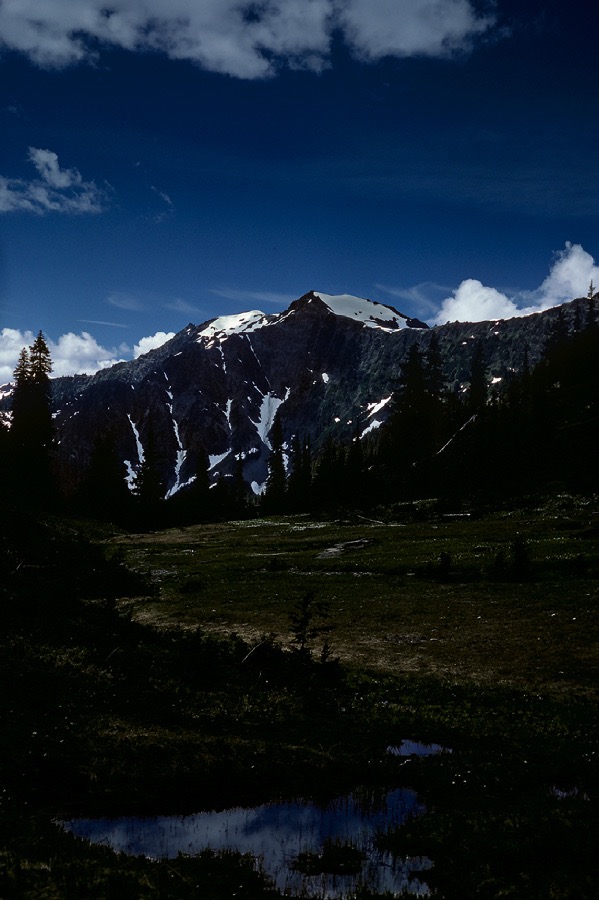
pixel 275 834
pixel 416 748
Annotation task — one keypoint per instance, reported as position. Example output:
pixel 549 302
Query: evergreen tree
pixel 355 488
pixel 276 483
pixel 149 487
pixel 31 432
pixel 477 391
pixel 408 440
pixel 327 485
pixel 299 482
pixel 21 407
pixel 104 492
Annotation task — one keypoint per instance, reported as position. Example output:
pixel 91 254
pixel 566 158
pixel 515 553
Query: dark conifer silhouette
pixel 104 492
pixel 31 430
pixel 273 500
pixel 149 487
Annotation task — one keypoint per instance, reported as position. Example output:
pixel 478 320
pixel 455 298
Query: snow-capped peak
pixel 369 312
pixel 239 323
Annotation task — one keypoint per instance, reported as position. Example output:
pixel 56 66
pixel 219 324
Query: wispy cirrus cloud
pixel 122 300
pixel 419 296
pixel 55 190
pixel 182 306
pixel 271 297
pixel 242 38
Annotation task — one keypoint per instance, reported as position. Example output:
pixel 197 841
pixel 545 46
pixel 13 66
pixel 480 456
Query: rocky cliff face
pixel 327 365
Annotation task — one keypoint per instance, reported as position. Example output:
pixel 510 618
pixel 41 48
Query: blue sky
pixel 167 163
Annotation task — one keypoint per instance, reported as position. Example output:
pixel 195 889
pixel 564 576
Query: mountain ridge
pixel 327 364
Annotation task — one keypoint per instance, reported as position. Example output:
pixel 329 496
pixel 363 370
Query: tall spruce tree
pixel 149 487
pixel 276 484
pixel 299 482
pixel 104 493
pixel 478 389
pixel 31 432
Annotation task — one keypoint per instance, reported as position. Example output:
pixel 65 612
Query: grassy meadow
pixel 442 598
pixel 237 662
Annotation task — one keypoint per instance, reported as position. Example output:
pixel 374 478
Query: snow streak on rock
pixel 216 459
pixel 131 472
pixel 268 410
pixel 181 452
pixel 373 409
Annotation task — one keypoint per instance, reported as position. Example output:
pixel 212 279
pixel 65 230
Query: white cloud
pixel 81 354
pixel 56 189
pixel 72 354
pixel 569 277
pixel 46 162
pixel 378 28
pixel 152 342
pixel 243 38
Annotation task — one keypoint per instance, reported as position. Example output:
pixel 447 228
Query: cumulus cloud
pixel 243 38
pixel 55 190
pixel 71 354
pixel 152 342
pixel 569 277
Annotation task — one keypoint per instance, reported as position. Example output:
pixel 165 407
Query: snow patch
pixel 372 427
pixel 240 323
pixel 140 449
pixel 268 410
pixel 374 408
pixel 215 459
pixel 368 312
pixel 228 412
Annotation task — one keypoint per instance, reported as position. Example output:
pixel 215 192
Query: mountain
pixel 328 365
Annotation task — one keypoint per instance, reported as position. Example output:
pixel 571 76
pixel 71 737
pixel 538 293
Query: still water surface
pixel 275 833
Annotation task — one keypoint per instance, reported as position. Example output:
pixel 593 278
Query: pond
pixel 275 834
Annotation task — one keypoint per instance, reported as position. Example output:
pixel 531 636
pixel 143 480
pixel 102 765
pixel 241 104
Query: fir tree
pixel 104 492
pixel 355 488
pixel 31 432
pixel 276 483
pixel 149 487
pixel 477 391
pixel 299 482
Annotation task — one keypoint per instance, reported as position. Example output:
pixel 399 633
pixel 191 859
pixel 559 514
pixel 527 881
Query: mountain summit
pixel 327 365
